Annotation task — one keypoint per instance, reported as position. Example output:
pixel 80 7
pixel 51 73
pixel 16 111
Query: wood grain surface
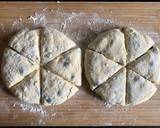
pixel 84 108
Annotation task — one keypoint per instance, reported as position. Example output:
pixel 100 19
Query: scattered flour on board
pixel 107 124
pixel 79 26
pixel 31 108
pixel 41 122
pixel 17 24
pixel 108 105
pixel 17 21
pixel 38 18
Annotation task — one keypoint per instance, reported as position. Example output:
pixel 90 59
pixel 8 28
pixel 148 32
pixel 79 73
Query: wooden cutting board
pixel 84 108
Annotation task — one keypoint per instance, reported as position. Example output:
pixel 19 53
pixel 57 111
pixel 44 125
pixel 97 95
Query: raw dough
pixel 113 91
pixel 136 43
pixel 147 65
pixel 15 67
pixel 131 49
pixel 138 89
pixel 55 90
pixel 22 61
pixel 98 68
pixel 108 43
pixel 26 42
pixel 28 90
pixel 68 65
pixel 54 43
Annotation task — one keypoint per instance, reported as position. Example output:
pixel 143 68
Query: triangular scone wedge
pixel 28 90
pixel 136 43
pixel 15 67
pixel 148 65
pixel 98 68
pixel 26 42
pixel 68 66
pixel 53 43
pixel 138 89
pixel 109 43
pixel 55 90
pixel 113 91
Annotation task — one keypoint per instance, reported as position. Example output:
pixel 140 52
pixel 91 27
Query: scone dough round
pixel 42 66
pixel 122 66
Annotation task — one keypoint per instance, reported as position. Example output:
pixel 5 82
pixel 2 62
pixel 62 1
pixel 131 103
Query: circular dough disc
pixel 42 66
pixel 133 80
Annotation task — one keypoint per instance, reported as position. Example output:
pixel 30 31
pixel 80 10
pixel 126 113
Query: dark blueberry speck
pixel 155 50
pixel 65 64
pixel 49 100
pixel 123 29
pixel 21 70
pixel 136 78
pixel 96 83
pixel 49 55
pixel 44 96
pixel 151 63
pixel 111 43
pixel 72 77
pixel 59 93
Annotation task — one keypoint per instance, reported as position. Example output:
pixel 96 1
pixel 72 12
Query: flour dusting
pixel 17 24
pixel 79 26
pixel 108 105
pixel 31 108
pixel 41 122
pixel 38 18
pixel 108 124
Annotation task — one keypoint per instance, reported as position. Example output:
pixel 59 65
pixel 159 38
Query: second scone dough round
pixel 122 66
